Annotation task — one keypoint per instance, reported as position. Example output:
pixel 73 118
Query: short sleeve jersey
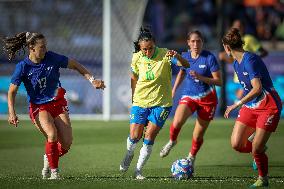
pixel 154 74
pixel 42 79
pixel 252 67
pixel 251 44
pixel 204 65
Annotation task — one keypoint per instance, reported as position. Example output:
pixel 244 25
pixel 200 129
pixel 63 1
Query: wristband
pixel 91 79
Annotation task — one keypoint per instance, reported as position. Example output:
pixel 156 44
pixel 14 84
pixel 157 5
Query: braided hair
pixel 145 35
pixel 21 40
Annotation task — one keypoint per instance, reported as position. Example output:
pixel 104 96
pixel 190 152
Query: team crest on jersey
pixel 245 73
pixel 202 66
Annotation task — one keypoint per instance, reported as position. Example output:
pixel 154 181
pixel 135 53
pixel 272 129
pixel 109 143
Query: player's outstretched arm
pixel 97 83
pixel 12 117
pixel 180 60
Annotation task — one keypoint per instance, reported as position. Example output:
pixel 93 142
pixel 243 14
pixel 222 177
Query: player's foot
pixel 260 182
pixel 191 158
pixel 45 170
pixel 54 175
pixel 138 175
pixel 167 148
pixel 45 173
pixel 126 162
pixel 254 165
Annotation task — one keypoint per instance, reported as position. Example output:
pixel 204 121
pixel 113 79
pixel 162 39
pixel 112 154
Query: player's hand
pixel 99 84
pixel 229 109
pixel 194 74
pixel 13 120
pixel 171 54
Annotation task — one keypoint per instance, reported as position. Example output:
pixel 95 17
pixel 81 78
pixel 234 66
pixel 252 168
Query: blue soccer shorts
pixel 157 115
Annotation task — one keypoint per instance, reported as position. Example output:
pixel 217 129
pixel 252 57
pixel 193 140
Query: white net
pixel 75 29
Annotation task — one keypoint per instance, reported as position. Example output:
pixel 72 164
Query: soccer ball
pixel 182 169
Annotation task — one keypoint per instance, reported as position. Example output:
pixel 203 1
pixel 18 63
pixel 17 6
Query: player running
pixel 260 105
pixel 48 109
pixel 151 96
pixel 198 94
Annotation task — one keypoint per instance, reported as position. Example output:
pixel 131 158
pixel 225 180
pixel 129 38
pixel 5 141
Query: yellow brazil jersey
pixel 154 74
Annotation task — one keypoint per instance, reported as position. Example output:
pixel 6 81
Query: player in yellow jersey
pixel 151 96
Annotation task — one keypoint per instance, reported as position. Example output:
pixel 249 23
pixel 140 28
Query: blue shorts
pixel 157 115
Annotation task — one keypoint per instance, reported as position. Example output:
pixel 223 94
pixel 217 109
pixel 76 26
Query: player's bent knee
pixel 236 146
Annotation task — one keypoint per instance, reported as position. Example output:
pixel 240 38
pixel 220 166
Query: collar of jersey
pixel 154 55
pixel 193 59
pixel 32 63
pixel 27 60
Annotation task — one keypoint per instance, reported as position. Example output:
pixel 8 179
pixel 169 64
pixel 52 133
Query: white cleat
pixel 54 175
pixel 167 148
pixel 126 162
pixel 45 173
pixel 138 175
pixel 45 170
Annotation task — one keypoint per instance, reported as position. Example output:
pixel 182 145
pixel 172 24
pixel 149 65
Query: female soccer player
pixel 260 105
pixel 198 93
pixel 48 109
pixel 151 96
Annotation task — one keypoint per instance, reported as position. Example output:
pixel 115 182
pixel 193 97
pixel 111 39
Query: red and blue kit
pixel 42 83
pixel 200 96
pixel 264 110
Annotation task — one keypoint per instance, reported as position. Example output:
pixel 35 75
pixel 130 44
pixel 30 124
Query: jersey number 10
pixel 150 75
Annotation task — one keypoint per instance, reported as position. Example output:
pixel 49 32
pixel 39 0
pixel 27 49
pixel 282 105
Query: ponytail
pixel 21 40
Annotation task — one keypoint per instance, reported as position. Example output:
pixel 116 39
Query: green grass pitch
pixel 98 147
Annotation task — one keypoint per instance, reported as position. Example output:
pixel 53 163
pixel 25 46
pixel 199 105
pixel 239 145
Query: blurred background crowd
pixel 171 20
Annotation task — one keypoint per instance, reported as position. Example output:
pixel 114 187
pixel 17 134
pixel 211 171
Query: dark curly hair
pixel 21 40
pixel 145 35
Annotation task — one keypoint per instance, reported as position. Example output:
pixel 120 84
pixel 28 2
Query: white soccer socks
pixel 145 153
pixel 131 145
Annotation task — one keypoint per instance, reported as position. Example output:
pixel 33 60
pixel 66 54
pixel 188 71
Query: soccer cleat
pixel 54 175
pixel 126 162
pixel 260 182
pixel 45 170
pixel 167 148
pixel 192 160
pixel 45 173
pixel 138 175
